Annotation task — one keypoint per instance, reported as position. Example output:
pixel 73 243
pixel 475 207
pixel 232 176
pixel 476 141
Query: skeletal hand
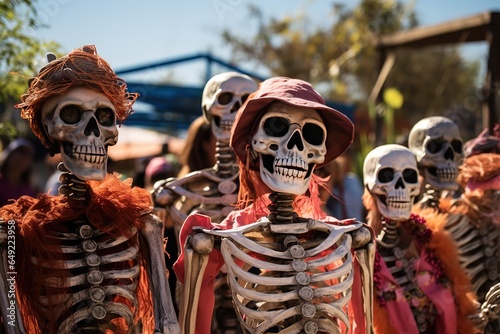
pixel 479 320
pixel 490 309
pixel 161 195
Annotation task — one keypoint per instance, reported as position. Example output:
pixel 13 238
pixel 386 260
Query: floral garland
pixel 383 296
pixel 415 225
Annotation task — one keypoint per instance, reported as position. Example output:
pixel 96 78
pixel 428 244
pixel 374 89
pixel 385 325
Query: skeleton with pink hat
pixel 290 267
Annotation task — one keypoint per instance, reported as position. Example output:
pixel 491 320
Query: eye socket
pixel 313 134
pixel 70 114
pixel 105 116
pixel 385 175
pixel 434 145
pixel 410 175
pixel 225 98
pixel 244 97
pixel 457 146
pixel 276 126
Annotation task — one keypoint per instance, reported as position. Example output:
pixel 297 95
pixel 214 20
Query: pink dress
pixel 240 218
pixel 446 300
pixel 398 307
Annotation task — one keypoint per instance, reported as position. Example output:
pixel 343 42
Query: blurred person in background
pixel 16 165
pixel 52 184
pixel 347 190
pixel 162 168
pixel 331 175
pixel 199 152
pixel 159 168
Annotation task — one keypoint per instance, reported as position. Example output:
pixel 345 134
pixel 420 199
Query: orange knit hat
pixel 82 67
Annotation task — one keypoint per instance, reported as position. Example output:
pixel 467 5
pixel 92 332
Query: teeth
pixel 291 168
pixel 288 172
pixel 91 154
pixel 398 202
pixel 226 124
pixel 296 162
pixel 447 174
pixel 398 205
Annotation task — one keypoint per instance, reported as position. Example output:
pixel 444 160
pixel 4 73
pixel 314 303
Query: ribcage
pixel 205 192
pixel 303 281
pixel 92 289
pixel 479 251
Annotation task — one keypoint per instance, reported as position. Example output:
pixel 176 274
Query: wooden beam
pixel 469 29
pixel 482 27
pixel 491 113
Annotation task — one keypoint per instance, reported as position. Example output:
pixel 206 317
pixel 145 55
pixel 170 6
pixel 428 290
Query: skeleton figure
pixel 91 259
pixel 212 192
pixel 419 285
pixel 437 144
pixel 474 222
pixel 290 267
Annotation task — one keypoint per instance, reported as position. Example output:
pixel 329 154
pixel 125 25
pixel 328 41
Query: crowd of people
pixel 266 226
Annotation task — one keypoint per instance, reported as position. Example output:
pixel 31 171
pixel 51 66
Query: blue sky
pixel 131 33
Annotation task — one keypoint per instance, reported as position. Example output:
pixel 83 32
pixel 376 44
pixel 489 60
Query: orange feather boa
pixel 446 251
pixel 113 207
pixel 444 248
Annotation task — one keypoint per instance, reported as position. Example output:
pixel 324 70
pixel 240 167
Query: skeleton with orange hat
pixel 290 266
pixel 89 260
pixel 473 220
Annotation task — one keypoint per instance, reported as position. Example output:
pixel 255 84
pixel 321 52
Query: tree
pixel 19 50
pixel 341 58
pixel 435 79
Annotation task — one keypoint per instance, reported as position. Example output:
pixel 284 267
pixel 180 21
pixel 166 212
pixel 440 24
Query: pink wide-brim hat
pixel 295 92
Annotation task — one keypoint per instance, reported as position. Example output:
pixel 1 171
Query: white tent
pixel 136 142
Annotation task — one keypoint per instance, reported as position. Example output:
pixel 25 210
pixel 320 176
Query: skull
pixel 290 141
pixel 83 122
pixel 438 146
pixel 223 95
pixel 390 174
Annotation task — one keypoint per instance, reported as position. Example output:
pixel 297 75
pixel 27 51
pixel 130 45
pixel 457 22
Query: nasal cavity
pixel 295 140
pixel 400 184
pixel 448 155
pixel 235 107
pixel 92 128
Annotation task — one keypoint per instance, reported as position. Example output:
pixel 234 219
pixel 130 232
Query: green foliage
pixel 341 58
pixel 340 54
pixel 19 49
pixel 434 79
pixel 7 133
pixel 365 146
